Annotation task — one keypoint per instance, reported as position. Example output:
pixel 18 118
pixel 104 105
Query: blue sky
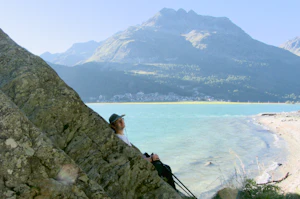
pixel 54 25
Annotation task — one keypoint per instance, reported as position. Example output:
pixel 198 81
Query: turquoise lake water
pixel 187 136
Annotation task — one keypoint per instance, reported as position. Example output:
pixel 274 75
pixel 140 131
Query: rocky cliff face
pixel 31 167
pixel 53 145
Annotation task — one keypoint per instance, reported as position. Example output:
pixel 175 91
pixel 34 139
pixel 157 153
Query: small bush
pixel 267 191
pixel 251 190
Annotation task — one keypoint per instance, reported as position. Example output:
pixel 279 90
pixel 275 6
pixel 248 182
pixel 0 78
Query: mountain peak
pixel 47 53
pixel 292 45
pixel 79 44
pixel 192 13
pixel 182 22
pixel 171 12
pixel 181 11
pixel 74 55
pixel 167 11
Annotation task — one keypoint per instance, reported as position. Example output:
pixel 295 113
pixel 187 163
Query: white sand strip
pixel 287 126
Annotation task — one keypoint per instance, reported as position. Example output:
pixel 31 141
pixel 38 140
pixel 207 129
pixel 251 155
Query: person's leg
pixel 168 174
pixel 159 167
pixel 164 171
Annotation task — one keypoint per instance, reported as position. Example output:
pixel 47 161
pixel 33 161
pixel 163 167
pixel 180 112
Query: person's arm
pixel 153 157
pixel 143 155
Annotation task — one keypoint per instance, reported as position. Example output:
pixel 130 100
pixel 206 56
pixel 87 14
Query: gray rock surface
pixel 46 128
pixel 31 167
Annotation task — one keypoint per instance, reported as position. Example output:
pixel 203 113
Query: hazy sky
pixel 54 25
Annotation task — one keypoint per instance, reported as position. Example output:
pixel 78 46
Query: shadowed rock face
pixel 46 130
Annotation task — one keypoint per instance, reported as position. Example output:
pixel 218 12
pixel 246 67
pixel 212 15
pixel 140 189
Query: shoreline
pixel 192 102
pixel 287 126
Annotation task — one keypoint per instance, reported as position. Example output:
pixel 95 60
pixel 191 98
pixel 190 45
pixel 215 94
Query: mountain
pixel 197 55
pixel 168 37
pixel 292 45
pixel 78 53
pixel 182 37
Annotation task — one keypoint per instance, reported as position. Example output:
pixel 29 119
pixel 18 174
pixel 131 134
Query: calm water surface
pixel 188 136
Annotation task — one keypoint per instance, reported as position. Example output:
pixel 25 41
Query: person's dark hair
pixel 112 126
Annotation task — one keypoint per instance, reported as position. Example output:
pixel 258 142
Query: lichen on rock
pixel 11 142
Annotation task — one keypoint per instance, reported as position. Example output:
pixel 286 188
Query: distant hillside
pixel 92 80
pixel 189 53
pixel 78 53
pixel 292 45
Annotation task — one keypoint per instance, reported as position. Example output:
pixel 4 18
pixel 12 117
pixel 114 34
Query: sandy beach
pixel 287 126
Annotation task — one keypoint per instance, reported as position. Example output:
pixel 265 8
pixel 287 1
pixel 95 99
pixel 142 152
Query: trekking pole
pixel 188 194
pixel 178 179
pixel 184 186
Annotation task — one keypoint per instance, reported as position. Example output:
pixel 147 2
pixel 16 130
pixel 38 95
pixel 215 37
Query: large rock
pixel 75 132
pixel 227 193
pixel 31 167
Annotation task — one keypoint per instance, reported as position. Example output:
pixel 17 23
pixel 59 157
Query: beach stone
pixel 208 163
pixel 45 126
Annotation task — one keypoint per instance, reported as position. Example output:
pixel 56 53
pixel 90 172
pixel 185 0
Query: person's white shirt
pixel 124 138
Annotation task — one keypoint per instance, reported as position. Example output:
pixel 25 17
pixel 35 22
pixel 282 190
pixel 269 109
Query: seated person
pixel 118 125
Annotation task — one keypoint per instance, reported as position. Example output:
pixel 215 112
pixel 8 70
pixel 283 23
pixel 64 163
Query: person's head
pixel 117 122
